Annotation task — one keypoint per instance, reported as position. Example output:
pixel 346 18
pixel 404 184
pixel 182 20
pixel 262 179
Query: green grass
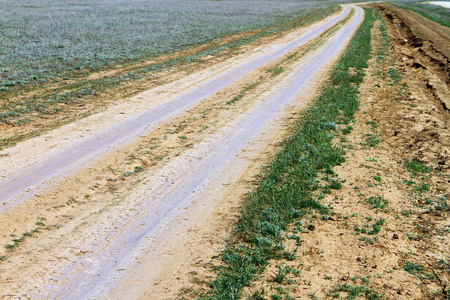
pixel 285 192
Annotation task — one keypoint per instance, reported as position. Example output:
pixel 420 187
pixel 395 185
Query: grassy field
pixel 45 68
pixel 433 12
pixel 48 40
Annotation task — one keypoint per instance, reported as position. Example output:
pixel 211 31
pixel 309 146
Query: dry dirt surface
pixel 122 203
pixel 387 234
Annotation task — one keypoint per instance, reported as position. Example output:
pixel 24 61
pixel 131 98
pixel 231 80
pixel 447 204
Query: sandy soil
pixel 403 116
pixel 93 205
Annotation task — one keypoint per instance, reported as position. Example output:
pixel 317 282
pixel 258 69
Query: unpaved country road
pixel 120 204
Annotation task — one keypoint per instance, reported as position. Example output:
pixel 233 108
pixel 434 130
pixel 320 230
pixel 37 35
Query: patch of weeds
pixel 347 130
pixel 415 167
pixel 371 159
pixel 180 127
pixel 336 185
pixel 290 255
pixel 371 229
pixel 295 237
pixel 366 240
pixel 10 247
pixel 443 264
pixel 442 204
pixel 417 270
pixel 409 182
pixel 283 271
pixel 406 213
pixel 377 202
pixel 246 89
pixel 371 140
pixel 373 124
pixel 275 71
pixel 126 174
pixel 376 227
pixel 138 169
pixel 423 187
pixel 354 292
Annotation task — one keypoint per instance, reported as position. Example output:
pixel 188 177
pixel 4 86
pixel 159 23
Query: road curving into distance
pixel 32 178
pixel 131 244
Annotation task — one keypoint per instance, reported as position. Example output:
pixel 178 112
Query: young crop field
pixel 42 40
pixel 433 12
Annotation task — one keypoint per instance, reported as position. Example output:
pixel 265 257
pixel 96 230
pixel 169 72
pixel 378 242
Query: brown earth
pixel 404 116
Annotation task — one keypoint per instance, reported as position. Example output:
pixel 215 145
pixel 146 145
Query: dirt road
pixel 136 193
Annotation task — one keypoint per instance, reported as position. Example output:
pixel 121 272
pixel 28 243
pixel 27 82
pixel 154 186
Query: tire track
pixel 100 270
pixel 41 173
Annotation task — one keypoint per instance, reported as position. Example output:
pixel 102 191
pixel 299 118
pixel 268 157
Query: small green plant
pixel 138 169
pixel 10 247
pixel 366 240
pixel 406 213
pixel 283 271
pixel 354 292
pixel 417 270
pixel 275 71
pixel 335 185
pixel 347 130
pixel 376 227
pixel 415 167
pixel 377 202
pixel 371 140
pixel 409 182
pixel 373 124
pixel 423 187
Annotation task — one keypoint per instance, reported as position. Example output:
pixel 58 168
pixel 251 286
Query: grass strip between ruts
pixel 285 192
